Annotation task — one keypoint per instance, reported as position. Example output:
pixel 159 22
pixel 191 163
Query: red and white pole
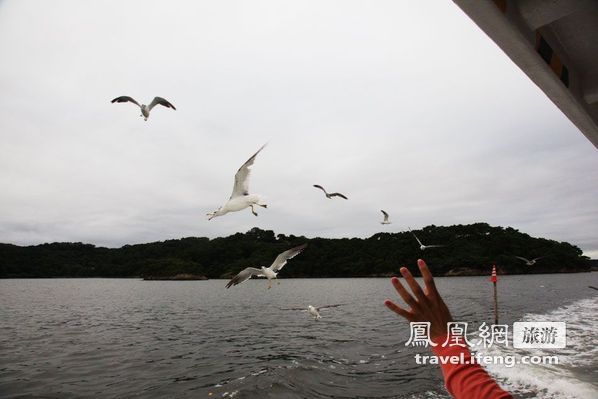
pixel 494 279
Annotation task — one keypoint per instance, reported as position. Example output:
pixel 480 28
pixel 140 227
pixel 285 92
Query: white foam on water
pixel 429 395
pixel 555 381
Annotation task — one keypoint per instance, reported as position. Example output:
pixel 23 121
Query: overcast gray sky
pixel 402 105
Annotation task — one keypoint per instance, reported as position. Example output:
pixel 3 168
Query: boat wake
pixel 571 377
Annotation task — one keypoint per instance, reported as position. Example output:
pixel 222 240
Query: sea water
pixel 72 338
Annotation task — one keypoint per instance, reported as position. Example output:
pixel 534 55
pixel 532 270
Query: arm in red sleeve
pixel 467 381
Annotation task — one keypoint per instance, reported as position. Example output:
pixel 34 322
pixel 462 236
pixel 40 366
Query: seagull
pixel 530 262
pixel 268 272
pixel 422 246
pixel 329 196
pixel 240 198
pixel 145 109
pixel 385 221
pixel 315 312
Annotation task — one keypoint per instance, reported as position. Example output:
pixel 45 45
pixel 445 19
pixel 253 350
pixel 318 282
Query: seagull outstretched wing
pixel 282 259
pixel 241 186
pixel 321 188
pixel 160 101
pixel 338 195
pixel 330 306
pixel 523 259
pixel 244 275
pixel 124 99
pixel 419 242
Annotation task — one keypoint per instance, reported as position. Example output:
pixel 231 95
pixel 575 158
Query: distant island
pixel 469 250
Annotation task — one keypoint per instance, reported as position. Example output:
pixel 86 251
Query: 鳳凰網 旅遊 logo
pixel 539 334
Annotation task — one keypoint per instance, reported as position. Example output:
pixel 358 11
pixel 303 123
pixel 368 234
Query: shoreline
pixel 286 278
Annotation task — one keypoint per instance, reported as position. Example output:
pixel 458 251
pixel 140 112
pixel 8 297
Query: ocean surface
pixel 109 338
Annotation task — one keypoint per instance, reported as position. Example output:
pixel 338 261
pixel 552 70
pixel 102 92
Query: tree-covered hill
pixel 469 249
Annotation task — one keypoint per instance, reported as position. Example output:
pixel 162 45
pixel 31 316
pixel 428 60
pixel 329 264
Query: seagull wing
pixel 282 259
pixel 385 215
pixel 420 243
pixel 321 188
pixel 124 99
pixel 302 309
pixel 435 246
pixel 161 101
pixel 523 259
pixel 244 275
pixel 536 259
pixel 241 186
pixel 338 195
pixel 330 306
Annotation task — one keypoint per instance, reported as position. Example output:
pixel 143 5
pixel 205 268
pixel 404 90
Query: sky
pixel 405 106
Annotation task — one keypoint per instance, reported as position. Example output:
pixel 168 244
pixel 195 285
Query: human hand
pixel 427 305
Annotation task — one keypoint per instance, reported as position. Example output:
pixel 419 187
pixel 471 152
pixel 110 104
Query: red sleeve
pixel 464 380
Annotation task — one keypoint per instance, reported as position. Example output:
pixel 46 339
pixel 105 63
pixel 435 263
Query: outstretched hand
pixel 425 305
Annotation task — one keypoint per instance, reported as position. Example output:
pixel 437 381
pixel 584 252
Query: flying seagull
pixel 315 312
pixel 268 272
pixel 422 246
pixel 530 262
pixel 329 196
pixel 145 109
pixel 240 198
pixel 386 219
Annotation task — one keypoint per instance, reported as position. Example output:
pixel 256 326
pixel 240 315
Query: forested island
pixel 469 250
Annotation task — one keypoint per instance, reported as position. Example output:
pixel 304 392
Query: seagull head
pixel 217 212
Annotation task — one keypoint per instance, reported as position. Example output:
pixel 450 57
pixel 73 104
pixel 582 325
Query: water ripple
pixel 128 338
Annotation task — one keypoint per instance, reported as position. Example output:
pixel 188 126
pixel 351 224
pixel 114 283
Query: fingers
pixel 399 310
pixel 428 280
pixel 409 300
pixel 415 288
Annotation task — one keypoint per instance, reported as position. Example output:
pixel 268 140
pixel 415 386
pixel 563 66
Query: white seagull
pixel 315 312
pixel 422 246
pixel 240 198
pixel 145 109
pixel 530 262
pixel 329 196
pixel 386 219
pixel 269 272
